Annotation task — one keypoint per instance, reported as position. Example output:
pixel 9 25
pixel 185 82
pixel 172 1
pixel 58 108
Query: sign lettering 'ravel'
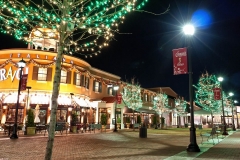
pixel 5 74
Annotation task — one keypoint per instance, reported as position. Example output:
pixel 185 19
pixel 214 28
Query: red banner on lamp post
pixel 119 98
pixel 24 82
pixel 180 63
pixel 217 93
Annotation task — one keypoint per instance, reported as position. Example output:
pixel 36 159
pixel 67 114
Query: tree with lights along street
pixel 160 104
pixel 131 96
pixel 205 96
pixel 81 27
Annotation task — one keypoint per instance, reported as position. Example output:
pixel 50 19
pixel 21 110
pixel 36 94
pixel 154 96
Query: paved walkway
pixel 123 145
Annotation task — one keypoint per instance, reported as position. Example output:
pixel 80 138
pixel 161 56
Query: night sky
pixel 146 53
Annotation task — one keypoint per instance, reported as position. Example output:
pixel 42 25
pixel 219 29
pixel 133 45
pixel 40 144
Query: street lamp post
pixel 21 65
pixel 220 79
pixel 231 102
pixel 115 88
pixel 192 147
pixel 28 87
pixel 236 114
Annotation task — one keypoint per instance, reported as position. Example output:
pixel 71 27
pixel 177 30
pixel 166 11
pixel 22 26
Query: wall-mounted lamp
pixel 4 108
pixel 70 109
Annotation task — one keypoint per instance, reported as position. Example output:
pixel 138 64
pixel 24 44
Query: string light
pixel 90 25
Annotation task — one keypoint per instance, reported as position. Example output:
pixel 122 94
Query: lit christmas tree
pixel 77 26
pixel 180 108
pixel 160 103
pixel 205 96
pixel 131 96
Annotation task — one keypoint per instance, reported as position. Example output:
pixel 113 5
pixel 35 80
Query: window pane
pixel 42 74
pixel 78 80
pixel 96 86
pixel 63 76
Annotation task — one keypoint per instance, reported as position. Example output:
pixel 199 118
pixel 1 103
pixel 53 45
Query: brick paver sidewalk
pixel 122 145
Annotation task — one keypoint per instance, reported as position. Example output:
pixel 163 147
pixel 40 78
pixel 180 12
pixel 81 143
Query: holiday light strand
pixel 91 25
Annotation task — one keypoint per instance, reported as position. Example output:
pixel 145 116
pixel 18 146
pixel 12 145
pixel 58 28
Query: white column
pixel 112 116
pixel 122 125
pixel 96 116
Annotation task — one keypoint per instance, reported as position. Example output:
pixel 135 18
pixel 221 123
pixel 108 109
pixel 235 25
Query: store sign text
pixel 5 74
pixel 38 57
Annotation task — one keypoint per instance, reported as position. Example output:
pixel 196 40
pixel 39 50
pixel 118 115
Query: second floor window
pixel 145 97
pixel 42 74
pixel 97 86
pixel 63 76
pixel 78 79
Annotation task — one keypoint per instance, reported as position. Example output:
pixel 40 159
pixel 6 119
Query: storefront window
pixel 61 115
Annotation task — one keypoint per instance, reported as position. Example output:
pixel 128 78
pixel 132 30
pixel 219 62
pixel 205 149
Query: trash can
pixel 186 125
pixel 199 126
pixel 143 132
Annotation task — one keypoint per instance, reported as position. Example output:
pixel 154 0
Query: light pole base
pixel 234 129
pixel 114 130
pixel 14 136
pixel 193 148
pixel 225 133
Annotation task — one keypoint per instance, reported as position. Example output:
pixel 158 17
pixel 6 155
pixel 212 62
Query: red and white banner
pixel 119 98
pixel 180 63
pixel 24 82
pixel 217 93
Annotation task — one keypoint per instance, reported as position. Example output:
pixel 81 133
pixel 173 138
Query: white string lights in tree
pixel 160 103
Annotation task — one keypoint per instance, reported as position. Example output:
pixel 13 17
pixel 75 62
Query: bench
pixel 60 127
pixel 212 134
pixel 41 128
pixel 136 125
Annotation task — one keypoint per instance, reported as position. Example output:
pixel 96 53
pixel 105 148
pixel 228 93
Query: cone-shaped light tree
pixel 77 26
pixel 205 96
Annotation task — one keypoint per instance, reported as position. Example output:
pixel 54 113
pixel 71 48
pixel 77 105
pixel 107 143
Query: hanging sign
pixel 217 93
pixel 24 82
pixel 180 65
pixel 119 98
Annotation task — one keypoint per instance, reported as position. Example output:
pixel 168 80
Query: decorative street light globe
pixel 188 29
pixel 220 79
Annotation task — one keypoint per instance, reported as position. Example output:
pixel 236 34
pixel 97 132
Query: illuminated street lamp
pixel 231 103
pixel 21 65
pixel 115 88
pixel 192 147
pixel 220 79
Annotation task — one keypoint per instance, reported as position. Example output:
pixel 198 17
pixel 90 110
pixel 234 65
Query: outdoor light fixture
pixel 189 29
pixel 193 146
pixel 115 88
pixel 220 79
pixel 21 65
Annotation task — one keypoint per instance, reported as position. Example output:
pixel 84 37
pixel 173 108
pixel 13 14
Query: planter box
pixel 31 130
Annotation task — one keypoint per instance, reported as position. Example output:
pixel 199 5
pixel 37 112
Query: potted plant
pixel 128 122
pixel 31 127
pixel 118 122
pixel 139 120
pixel 155 121
pixel 74 123
pixel 162 122
pixel 104 120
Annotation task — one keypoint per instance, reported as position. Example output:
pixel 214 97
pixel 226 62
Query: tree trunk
pixel 133 121
pixel 55 93
pixel 56 84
